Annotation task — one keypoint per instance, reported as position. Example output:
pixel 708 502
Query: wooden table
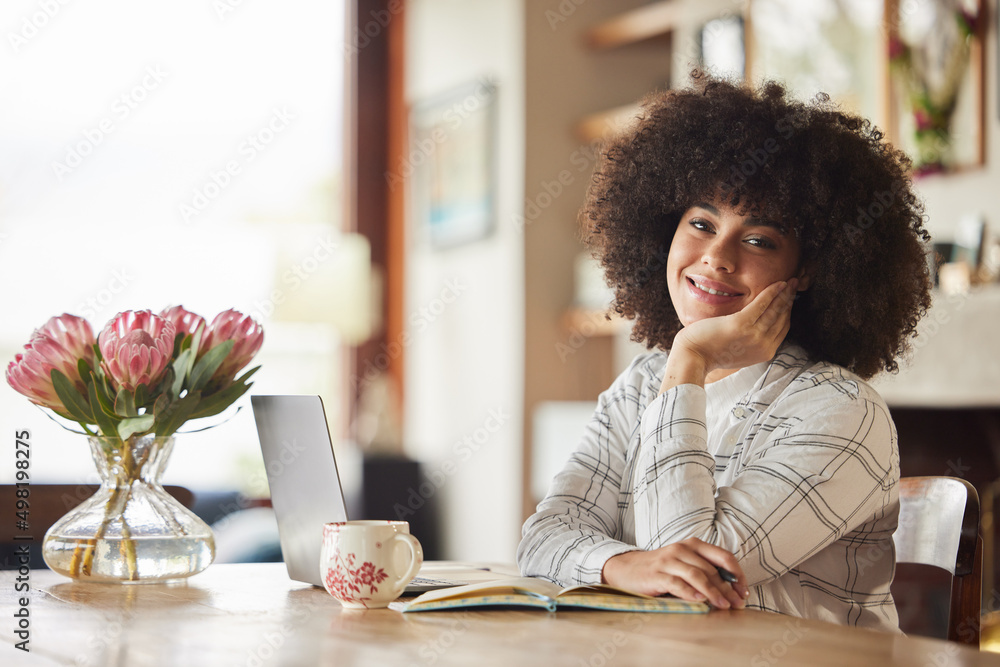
pixel 253 615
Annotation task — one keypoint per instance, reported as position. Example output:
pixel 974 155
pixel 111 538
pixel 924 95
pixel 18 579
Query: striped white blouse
pixel 791 465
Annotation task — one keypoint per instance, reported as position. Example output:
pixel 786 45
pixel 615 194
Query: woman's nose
pixel 720 256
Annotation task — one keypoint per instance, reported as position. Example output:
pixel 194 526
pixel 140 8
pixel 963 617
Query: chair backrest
pixel 939 526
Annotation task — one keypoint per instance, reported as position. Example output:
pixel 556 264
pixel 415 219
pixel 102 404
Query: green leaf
pixel 162 401
pixel 83 368
pixel 100 390
pixel 178 345
pixel 182 366
pixel 141 397
pixel 173 416
pixel 163 384
pixel 107 425
pixel 243 378
pixel 220 400
pixel 208 364
pixel 76 404
pixel 215 403
pixel 196 339
pixel 129 427
pixel 125 405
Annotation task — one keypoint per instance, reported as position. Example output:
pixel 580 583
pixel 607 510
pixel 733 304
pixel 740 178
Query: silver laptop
pixel 305 485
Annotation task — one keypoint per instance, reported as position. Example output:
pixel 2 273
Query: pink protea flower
pixel 247 337
pixel 897 49
pixel 136 346
pixel 923 120
pixel 63 341
pixel 57 344
pixel 185 322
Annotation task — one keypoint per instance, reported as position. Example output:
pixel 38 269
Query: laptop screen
pixel 302 474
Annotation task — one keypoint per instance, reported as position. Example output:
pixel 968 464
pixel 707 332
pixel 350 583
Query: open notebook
pixel 542 594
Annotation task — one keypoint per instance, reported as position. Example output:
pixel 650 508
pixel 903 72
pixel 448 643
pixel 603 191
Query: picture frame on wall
pixel 937 82
pixel 453 148
pixel 915 69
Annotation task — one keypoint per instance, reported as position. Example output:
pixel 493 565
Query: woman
pixel 748 440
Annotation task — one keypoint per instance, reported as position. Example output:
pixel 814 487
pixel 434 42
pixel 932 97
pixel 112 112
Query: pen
pixel 726 575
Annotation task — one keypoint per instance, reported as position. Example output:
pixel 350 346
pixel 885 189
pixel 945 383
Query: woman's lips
pixel 711 292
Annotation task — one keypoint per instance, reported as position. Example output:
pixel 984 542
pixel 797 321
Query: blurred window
pixel 152 154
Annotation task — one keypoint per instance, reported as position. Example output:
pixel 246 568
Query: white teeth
pixel 710 290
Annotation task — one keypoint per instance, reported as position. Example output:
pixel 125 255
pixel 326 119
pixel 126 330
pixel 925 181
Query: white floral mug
pixel 367 564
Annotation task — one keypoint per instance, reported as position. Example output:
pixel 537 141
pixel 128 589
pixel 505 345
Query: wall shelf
pixel 591 323
pixel 601 125
pixel 653 20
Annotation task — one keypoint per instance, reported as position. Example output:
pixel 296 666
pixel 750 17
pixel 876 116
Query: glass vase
pixel 131 530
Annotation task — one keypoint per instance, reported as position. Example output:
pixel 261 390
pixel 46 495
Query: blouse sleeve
pixel 822 464
pixel 576 528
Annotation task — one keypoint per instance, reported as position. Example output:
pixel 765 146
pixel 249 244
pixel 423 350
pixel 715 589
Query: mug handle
pixel 416 560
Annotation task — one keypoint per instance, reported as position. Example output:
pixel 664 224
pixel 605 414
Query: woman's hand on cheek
pixel 735 341
pixel 686 569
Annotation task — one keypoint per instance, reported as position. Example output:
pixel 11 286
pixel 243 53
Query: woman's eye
pixel 761 242
pixel 700 225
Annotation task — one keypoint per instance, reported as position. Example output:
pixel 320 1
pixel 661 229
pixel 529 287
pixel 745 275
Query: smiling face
pixel 720 260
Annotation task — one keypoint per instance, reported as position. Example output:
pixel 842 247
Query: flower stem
pixel 123 479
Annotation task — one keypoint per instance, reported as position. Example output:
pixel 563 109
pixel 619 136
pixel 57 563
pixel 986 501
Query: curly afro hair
pixel 825 175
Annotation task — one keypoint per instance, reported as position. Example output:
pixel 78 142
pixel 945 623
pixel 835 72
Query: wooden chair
pixel 939 526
